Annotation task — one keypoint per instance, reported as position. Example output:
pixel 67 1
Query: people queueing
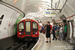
pixel 48 31
pixel 61 32
pixel 57 31
pixel 54 31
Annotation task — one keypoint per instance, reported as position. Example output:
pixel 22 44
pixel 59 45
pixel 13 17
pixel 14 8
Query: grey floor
pixel 54 45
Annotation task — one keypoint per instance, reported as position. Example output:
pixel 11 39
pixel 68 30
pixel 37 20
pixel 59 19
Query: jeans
pixel 54 35
pixel 61 35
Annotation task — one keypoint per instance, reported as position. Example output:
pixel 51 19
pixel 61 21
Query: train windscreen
pixel 35 26
pixel 21 27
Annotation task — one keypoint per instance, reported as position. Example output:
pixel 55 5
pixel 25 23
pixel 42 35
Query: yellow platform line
pixel 15 1
pixel 39 45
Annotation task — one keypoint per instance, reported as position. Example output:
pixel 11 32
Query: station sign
pixel 50 14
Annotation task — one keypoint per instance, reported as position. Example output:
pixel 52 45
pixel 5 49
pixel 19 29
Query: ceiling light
pixel 40 8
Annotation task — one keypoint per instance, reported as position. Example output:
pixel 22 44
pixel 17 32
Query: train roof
pixel 27 20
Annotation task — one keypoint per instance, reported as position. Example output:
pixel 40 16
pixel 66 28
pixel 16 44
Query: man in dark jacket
pixel 54 31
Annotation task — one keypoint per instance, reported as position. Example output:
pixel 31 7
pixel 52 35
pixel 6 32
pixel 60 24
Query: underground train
pixel 28 28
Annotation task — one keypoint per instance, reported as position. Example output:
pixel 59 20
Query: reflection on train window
pixel 21 26
pixel 1 17
pixel 27 26
pixel 35 26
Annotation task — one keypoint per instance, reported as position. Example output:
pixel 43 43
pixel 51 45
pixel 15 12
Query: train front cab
pixel 28 29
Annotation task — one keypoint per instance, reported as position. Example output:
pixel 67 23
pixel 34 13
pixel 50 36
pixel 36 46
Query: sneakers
pixel 49 41
pixel 56 38
pixel 52 39
pixel 60 39
pixel 46 41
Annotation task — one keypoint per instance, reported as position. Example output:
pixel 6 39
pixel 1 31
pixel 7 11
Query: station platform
pixel 53 45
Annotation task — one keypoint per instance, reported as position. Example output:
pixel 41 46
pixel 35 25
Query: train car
pixel 28 28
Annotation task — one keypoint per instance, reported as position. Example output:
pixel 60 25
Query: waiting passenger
pixel 43 31
pixel 42 28
pixel 45 28
pixel 65 32
pixel 48 31
pixel 57 32
pixel 54 31
pixel 61 32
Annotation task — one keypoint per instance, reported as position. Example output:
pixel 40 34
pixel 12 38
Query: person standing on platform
pixel 48 31
pixel 57 32
pixel 54 31
pixel 61 32
pixel 65 32
pixel 42 28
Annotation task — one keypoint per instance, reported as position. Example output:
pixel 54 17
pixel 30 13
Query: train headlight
pixel 20 33
pixel 35 33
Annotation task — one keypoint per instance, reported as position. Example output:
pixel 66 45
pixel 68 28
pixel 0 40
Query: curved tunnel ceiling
pixel 37 7
pixel 27 5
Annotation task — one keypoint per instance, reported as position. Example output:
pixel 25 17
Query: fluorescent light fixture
pixel 40 8
pixel 48 1
pixel 55 1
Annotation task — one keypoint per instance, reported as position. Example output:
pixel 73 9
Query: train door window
pixel 28 26
pixel 21 27
pixel 35 26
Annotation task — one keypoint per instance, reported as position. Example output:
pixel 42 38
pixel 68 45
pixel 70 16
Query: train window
pixel 35 26
pixel 21 26
pixel 28 26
